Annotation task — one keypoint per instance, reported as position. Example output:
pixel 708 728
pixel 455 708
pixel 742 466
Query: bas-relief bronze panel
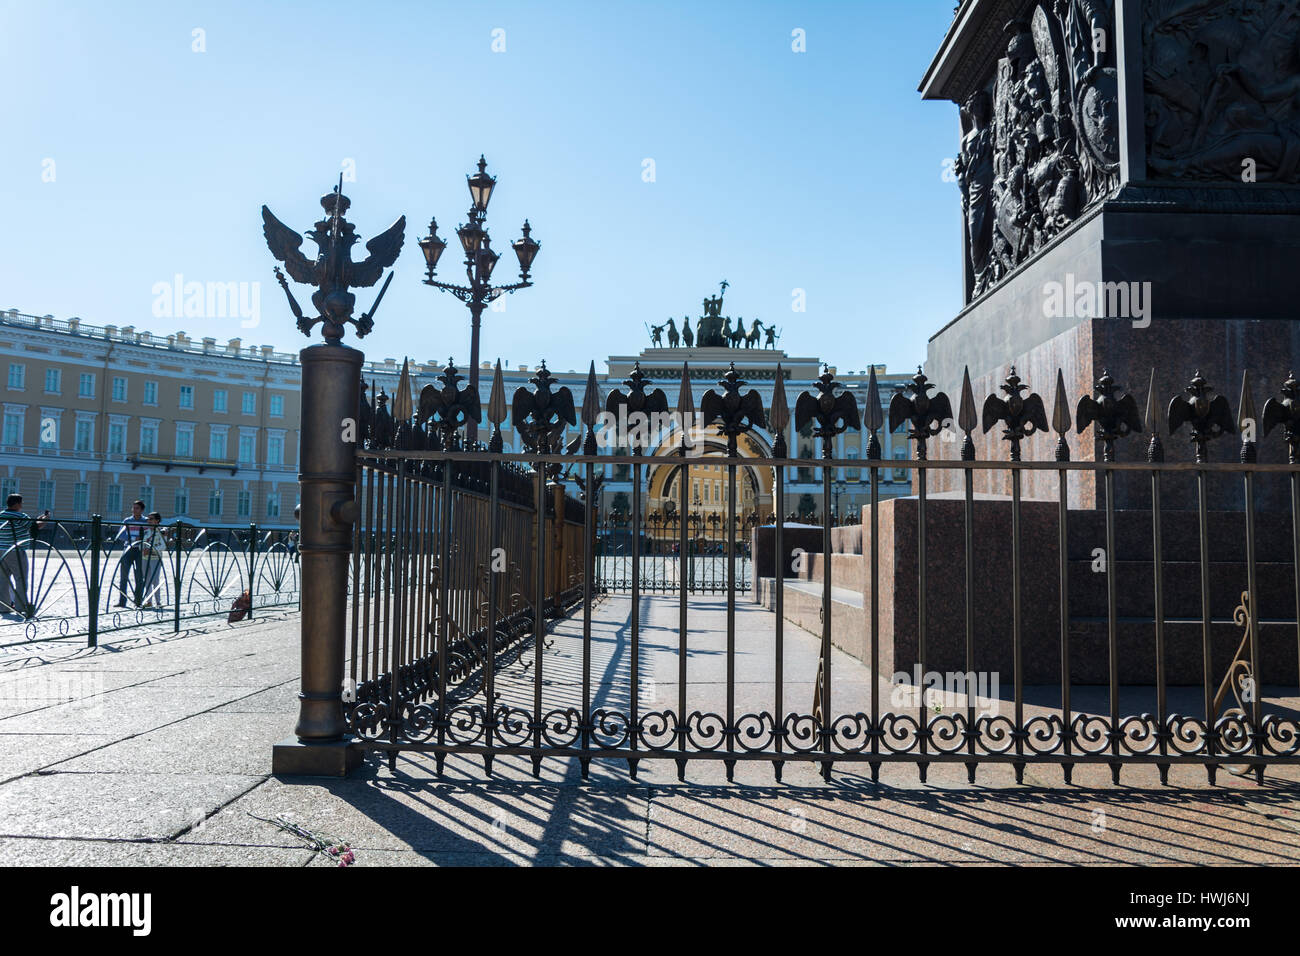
pixel 1040 140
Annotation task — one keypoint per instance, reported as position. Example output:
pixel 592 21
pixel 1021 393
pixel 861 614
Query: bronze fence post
pixel 559 558
pixel 331 376
pixel 96 536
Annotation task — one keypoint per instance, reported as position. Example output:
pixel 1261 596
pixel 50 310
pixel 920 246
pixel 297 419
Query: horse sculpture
pixel 751 340
pixel 737 335
pixel 674 340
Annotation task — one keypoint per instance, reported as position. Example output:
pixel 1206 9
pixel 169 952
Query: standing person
pixel 295 533
pixel 132 536
pixel 15 572
pixel 154 548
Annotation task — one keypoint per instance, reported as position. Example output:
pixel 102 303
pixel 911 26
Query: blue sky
pixel 776 170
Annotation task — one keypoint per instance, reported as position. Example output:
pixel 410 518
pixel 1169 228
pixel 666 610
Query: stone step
pixel 1180 530
pixel 1181 582
pixel 1040 655
pixel 1180 535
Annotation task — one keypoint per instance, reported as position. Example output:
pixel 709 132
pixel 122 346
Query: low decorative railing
pixel 75 579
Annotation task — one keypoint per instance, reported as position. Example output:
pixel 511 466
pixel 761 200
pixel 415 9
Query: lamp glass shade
pixel 487 261
pixel 480 188
pixel 471 237
pixel 526 250
pixel 432 247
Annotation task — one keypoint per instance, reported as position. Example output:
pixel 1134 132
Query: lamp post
pixel 840 487
pixel 480 260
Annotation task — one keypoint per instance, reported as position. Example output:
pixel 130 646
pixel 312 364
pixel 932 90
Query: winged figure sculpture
pixel 829 413
pixel 448 405
pixel 540 416
pixel 734 413
pixel 924 414
pixel 1210 415
pixel 1115 416
pixel 1019 416
pixel 332 271
pixel 1286 412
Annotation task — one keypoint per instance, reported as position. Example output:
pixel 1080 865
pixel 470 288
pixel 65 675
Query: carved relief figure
pixel 1040 143
pixel 1222 83
pixel 974 168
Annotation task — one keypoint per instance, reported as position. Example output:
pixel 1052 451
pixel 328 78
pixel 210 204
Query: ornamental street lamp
pixel 480 260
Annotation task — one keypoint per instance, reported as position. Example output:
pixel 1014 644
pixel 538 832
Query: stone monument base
pixel 1041 598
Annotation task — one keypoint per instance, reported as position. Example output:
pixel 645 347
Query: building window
pixel 85 435
pixel 249 404
pixel 113 500
pixel 217 445
pixel 187 396
pixel 151 393
pixel 86 388
pixel 53 381
pixel 181 502
pixel 148 439
pixel 275 450
pixel 247 449
pixel 214 503
pixel 116 438
pixel 277 406
pixel 219 400
pixel 81 499
pixel 17 375
pixel 184 441
pixel 243 504
pixel 146 495
pixel 900 474
pixel 855 473
pixel 119 388
pixel 273 505
pixel 13 431
pixel 45 496
pixel 8 486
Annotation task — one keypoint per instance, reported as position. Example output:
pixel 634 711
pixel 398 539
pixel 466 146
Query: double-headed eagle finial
pixel 332 271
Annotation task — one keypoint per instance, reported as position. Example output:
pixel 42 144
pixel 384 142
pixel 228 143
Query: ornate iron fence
pixel 66 579
pixel 661 568
pixel 454 565
pixel 434 515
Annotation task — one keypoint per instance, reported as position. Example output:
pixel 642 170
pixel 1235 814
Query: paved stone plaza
pixel 157 754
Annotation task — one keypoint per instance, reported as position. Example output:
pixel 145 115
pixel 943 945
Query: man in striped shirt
pixel 15 571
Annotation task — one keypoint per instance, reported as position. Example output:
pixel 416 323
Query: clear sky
pixel 129 158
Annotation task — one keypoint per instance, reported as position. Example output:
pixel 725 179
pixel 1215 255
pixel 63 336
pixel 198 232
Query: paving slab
pixel 964 827
pixel 416 815
pixel 87 853
pixel 281 699
pixel 64 682
pixel 116 806
pixel 24 753
pixel 211 743
pixel 125 712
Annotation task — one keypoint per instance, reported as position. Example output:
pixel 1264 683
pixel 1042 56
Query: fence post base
pixel 293 757
pixel 331 379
